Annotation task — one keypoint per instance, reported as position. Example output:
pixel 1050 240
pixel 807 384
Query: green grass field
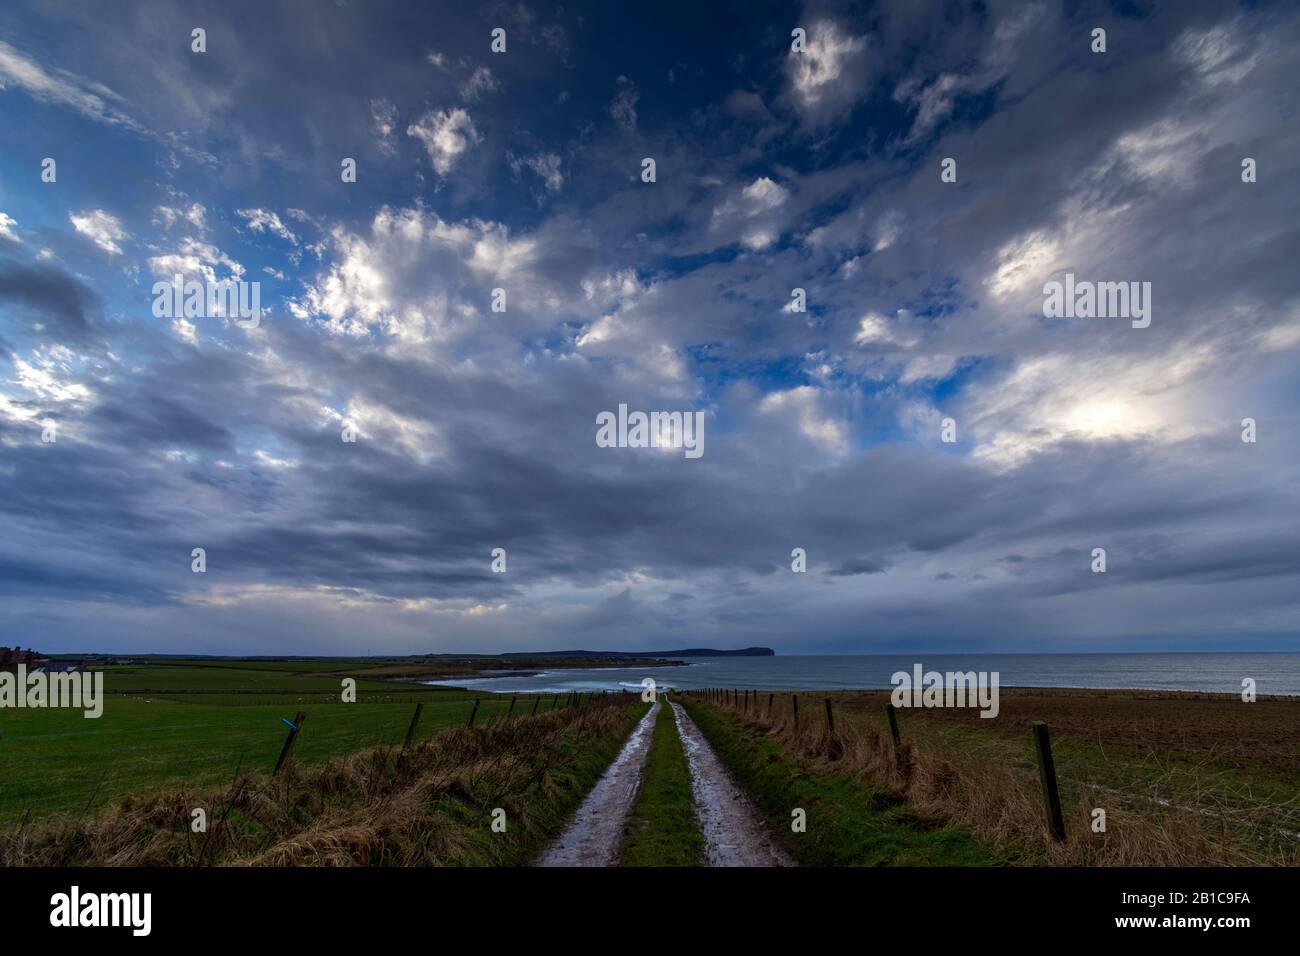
pixel 662 829
pixel 193 721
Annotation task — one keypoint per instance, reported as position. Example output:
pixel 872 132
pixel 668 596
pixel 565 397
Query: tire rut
pixel 595 833
pixel 734 833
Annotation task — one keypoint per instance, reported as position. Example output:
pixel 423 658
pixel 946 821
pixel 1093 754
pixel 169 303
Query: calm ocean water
pixel 1222 673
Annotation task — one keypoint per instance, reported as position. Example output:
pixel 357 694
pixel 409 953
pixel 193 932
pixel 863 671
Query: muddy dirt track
pixel 734 833
pixel 594 835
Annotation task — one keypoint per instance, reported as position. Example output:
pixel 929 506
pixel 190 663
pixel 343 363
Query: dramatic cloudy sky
pixel 521 171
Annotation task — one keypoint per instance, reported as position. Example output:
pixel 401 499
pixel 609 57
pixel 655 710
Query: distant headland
pixel 639 655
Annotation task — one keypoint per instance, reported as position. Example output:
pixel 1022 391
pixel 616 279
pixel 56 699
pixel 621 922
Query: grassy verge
pixel 662 829
pixel 850 822
pixel 434 807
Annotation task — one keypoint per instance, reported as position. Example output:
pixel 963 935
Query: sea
pixel 1273 673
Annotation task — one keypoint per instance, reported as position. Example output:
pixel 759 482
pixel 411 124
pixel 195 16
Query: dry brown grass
pixel 430 806
pixel 969 780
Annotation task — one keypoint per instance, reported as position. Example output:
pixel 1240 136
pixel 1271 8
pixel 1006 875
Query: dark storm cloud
pixel 48 295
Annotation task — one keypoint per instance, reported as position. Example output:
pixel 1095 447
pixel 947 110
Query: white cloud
pixel 185 331
pixel 446 135
pixel 545 165
pixel 763 194
pixel 1164 150
pixel 481 81
pixel 828 76
pixel 1024 264
pixel 7 225
pixel 752 214
pixel 195 260
pixel 264 220
pixel 934 100
pixel 623 108
pixel 63 88
pixel 168 216
pixel 384 115
pixel 1052 398
pixel 45 376
pixel 415 276
pixel 875 329
pixel 805 406
pixel 270 461
pixel 101 228
pixel 1218 54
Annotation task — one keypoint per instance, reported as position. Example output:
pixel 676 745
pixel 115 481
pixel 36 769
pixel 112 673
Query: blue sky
pixel 775 170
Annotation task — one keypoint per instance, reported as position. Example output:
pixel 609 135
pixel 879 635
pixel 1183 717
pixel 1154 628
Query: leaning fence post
pixel 537 703
pixel 294 727
pixel 794 700
pixel 830 721
pixel 511 712
pixel 410 731
pixel 892 711
pixel 472 713
pixel 1047 772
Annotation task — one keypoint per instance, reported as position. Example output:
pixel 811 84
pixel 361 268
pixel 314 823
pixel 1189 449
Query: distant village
pixel 34 662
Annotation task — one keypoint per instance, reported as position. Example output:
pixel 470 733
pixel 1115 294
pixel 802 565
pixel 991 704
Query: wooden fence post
pixel 511 712
pixel 410 731
pixel 537 703
pixel 769 706
pixel 794 701
pixel 1047 772
pixel 830 721
pixel 892 712
pixel 296 726
pixel 472 713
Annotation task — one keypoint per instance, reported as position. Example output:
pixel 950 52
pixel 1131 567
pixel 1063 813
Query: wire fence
pixel 1225 785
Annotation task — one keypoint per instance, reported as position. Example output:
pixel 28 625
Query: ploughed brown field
pixel 1263 734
